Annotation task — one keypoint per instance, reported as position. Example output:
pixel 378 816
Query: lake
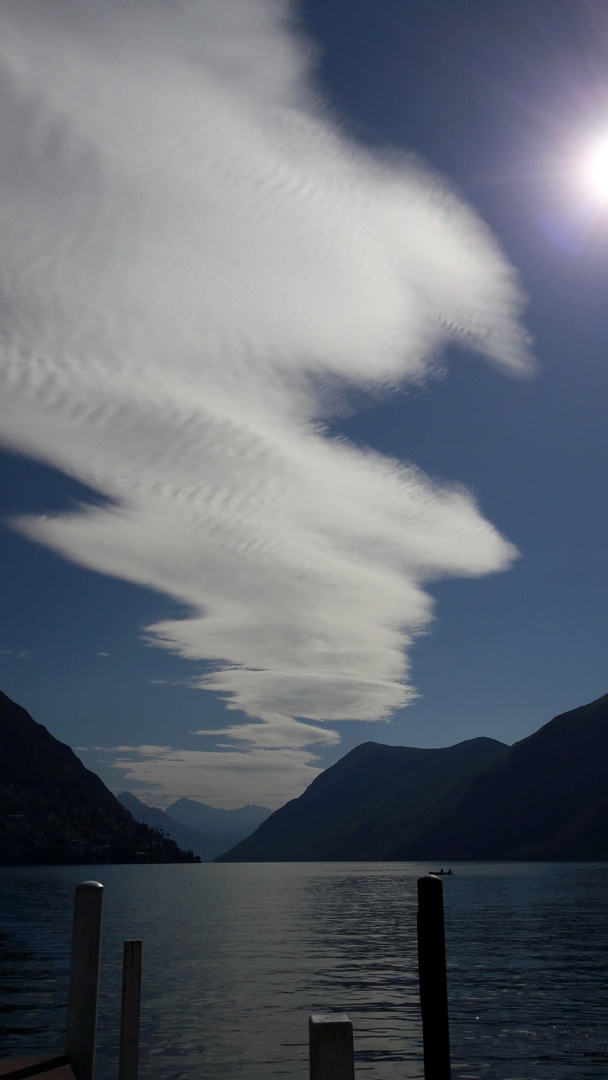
pixel 236 956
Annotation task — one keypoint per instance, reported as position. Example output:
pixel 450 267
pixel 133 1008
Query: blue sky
pixel 303 380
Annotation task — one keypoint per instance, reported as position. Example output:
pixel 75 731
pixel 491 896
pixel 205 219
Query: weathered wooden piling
pixel 433 979
pixel 84 979
pixel 129 1014
pixel 330 1042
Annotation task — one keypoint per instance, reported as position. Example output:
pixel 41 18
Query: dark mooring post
pixel 129 1015
pixel 84 979
pixel 330 1040
pixel 433 980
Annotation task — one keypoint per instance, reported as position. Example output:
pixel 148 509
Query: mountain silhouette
pixel 54 810
pixel 369 803
pixel 546 797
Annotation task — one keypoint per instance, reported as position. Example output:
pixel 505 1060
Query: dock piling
pixel 129 1013
pixel 433 979
pixel 84 979
pixel 330 1041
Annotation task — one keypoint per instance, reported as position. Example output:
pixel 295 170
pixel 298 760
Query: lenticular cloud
pixel 194 263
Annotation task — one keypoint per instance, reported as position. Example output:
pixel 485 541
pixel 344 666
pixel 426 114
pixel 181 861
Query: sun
pixel 595 169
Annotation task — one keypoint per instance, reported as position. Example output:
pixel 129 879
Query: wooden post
pixel 129 1014
pixel 84 979
pixel 330 1041
pixel 433 979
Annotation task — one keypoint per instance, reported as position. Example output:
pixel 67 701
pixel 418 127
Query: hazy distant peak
pixel 198 815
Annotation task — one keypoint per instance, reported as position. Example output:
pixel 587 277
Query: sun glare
pixel 596 168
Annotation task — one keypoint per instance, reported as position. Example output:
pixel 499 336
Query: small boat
pixel 441 873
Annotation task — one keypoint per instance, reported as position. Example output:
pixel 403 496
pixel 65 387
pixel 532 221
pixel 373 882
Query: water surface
pixel 237 956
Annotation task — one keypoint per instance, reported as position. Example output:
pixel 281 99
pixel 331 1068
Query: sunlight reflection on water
pixel 237 956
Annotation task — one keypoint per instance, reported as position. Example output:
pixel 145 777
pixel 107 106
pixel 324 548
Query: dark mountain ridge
pixel 54 810
pixel 369 802
pixel 546 797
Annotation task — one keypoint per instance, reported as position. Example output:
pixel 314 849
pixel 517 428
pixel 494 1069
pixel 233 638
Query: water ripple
pixel 237 956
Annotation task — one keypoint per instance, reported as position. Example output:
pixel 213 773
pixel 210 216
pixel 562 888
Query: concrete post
pixel 84 979
pixel 330 1040
pixel 129 1015
pixel 433 979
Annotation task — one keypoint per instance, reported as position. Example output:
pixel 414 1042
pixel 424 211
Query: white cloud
pixel 159 775
pixel 196 265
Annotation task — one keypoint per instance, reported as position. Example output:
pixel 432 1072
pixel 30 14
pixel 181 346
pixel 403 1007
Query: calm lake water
pixel 236 957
